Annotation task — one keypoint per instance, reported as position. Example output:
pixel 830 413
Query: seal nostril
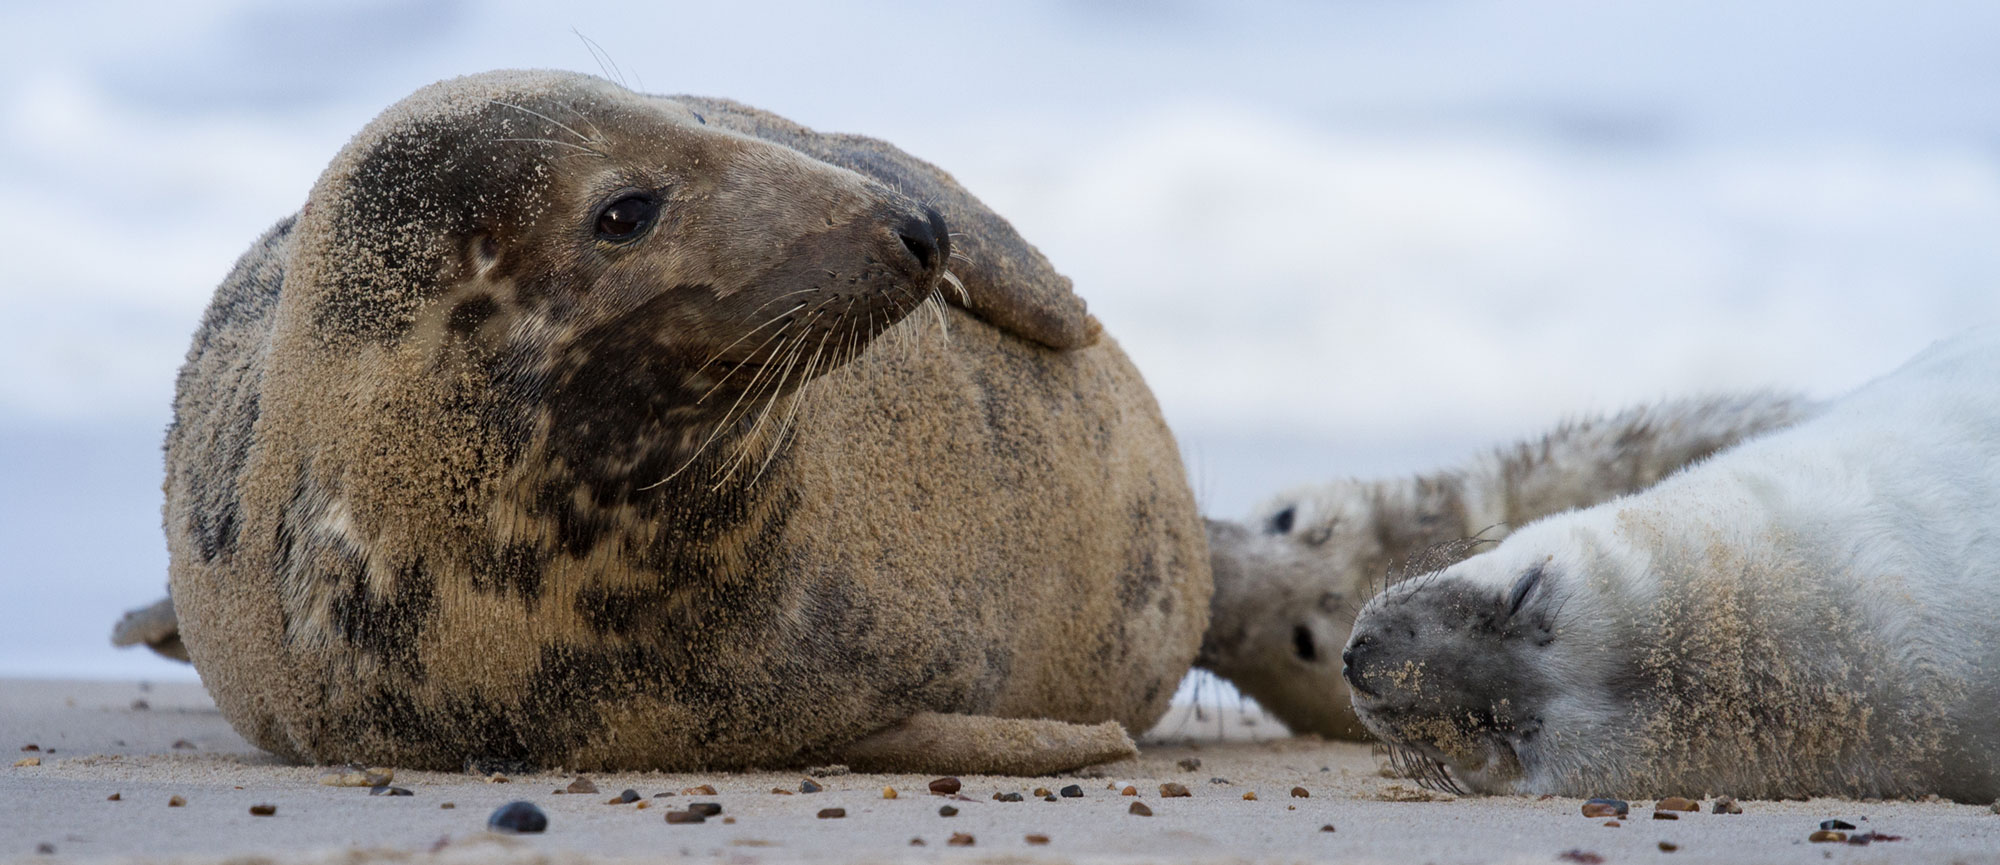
pixel 1302 644
pixel 920 237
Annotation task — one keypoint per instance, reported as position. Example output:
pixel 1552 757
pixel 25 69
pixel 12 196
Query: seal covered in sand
pixel 1812 613
pixel 571 426
pixel 1289 581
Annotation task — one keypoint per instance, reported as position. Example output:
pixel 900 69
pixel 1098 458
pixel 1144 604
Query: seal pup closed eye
pixel 566 425
pixel 1812 613
pixel 1289 580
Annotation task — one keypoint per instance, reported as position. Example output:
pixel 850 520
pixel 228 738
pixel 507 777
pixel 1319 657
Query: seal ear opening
pixel 1011 285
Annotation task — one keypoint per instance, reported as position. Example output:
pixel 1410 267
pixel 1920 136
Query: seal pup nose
pixel 925 237
pixel 1350 665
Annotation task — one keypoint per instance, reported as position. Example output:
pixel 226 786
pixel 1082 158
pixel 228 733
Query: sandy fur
pixel 1810 613
pixel 1284 599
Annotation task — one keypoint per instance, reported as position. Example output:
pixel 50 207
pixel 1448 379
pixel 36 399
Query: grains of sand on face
pixel 1189 764
pixel 1174 790
pixel 1606 808
pixel 1725 805
pixel 945 786
pixel 947 811
pixel 518 818
pixel 1037 839
pixel 960 839
pixel 888 792
pixel 702 790
pixel 685 817
pixel 1072 792
pixel 808 785
pixel 175 801
pixel 263 810
pixel 706 809
pixel 1139 809
pixel 1301 793
pixel 832 813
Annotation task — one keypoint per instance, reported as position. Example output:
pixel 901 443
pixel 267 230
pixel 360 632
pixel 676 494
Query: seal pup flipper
pixel 1011 285
pixel 934 742
pixel 155 625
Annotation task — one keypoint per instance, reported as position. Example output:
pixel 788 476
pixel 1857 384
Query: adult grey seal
pixel 1811 613
pixel 1289 580
pixel 569 426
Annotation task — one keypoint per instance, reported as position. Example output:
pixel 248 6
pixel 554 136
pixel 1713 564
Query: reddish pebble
pixel 946 787
pixel 960 839
pixel 1172 790
pixel 832 813
pixel 1038 839
pixel 263 810
pixel 1668 847
pixel 1301 793
pixel 1139 809
pixel 1676 803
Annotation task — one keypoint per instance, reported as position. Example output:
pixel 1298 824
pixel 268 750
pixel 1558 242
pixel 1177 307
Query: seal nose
pixel 925 237
pixel 1350 664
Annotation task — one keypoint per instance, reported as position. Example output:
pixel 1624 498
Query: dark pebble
pixel 1301 793
pixel 1189 764
pixel 45 849
pixel 947 811
pixel 1677 803
pixel 1172 790
pixel 1668 847
pixel 1606 808
pixel 945 786
pixel 960 839
pixel 916 842
pixel 1139 809
pixel 263 810
pixel 1071 792
pixel 685 817
pixel 1841 825
pixel 808 785
pixel 627 797
pixel 1581 856
pixel 1218 780
pixel 31 747
pixel 832 813
pixel 580 785
pixel 518 817
pixel 705 809
pixel 663 795
pixel 114 797
pixel 1665 815
pixel 1049 798
pixel 1006 797
pixel 1326 828
pixel 1038 839
pixel 386 790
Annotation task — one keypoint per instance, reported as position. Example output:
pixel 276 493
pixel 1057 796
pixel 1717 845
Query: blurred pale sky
pixel 1339 238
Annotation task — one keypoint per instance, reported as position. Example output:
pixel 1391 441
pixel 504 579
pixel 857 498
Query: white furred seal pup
pixel 1815 612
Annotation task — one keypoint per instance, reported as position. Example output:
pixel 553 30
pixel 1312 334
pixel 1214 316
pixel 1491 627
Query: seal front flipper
pixel 156 625
pixel 1008 281
pixel 937 743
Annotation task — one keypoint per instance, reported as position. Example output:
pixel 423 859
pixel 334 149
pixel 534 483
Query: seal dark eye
pixel 627 217
pixel 1522 588
pixel 1281 522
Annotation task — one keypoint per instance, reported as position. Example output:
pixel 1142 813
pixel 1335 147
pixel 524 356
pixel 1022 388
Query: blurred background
pixel 1339 238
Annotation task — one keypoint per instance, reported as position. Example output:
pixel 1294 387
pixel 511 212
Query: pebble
pixel 497 778
pixel 947 811
pixel 888 792
pixel 45 849
pixel 945 786
pixel 781 791
pixel 183 745
pixel 1072 792
pixel 1139 809
pixel 114 797
pixel 31 747
pixel 1606 808
pixel 1668 847
pixel 1825 835
pixel 1677 803
pixel 1172 790
pixel 916 842
pixel 175 801
pixel 685 817
pixel 1301 793
pixel 1582 856
pixel 1725 805
pixel 832 813
pixel 386 790
pixel 356 776
pixel 1049 798
pixel 1006 797
pixel 643 805
pixel 518 818
pixel 1189 764
pixel 705 809
pixel 1665 815
pixel 1038 839
pixel 672 793
pixel 1613 824
pixel 1042 792
pixel 700 790
pixel 263 810
pixel 729 821
pixel 580 785
pixel 960 839
pixel 625 798
pixel 808 785
pixel 1835 824
pixel 1129 791
pixel 1249 795
pixel 27 761
pixel 1326 828
pixel 1218 780
pixel 446 806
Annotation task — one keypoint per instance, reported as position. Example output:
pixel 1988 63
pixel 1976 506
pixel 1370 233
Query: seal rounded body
pixel 1815 612
pixel 570 426
pixel 1289 580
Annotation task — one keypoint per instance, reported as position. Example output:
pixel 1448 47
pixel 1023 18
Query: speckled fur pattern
pixel 1812 613
pixel 1289 580
pixel 453 482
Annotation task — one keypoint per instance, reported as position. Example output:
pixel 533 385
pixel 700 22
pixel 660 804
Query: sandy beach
pixel 149 744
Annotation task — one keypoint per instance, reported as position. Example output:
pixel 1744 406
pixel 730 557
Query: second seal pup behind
pixel 1812 613
pixel 554 430
pixel 1288 583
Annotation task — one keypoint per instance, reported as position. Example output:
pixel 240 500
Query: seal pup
pixel 569 426
pixel 1811 613
pixel 1289 580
